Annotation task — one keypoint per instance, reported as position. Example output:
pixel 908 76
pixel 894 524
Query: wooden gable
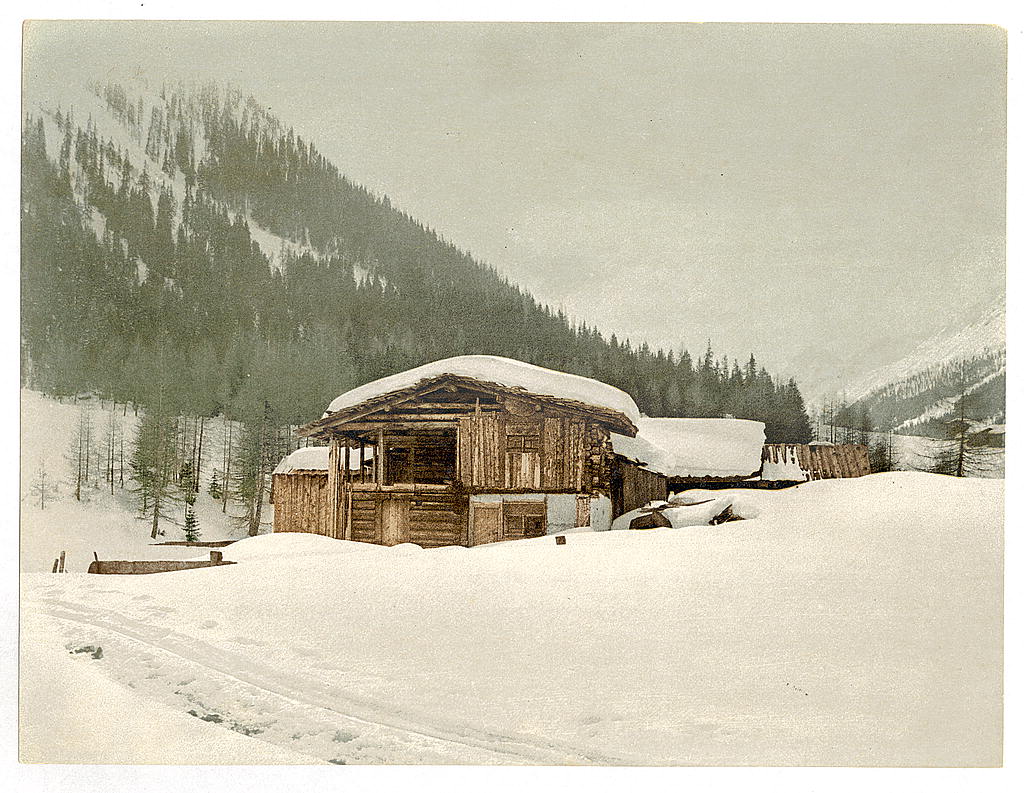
pixel 446 398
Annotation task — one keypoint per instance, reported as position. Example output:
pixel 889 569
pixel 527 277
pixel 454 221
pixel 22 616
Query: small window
pixel 524 520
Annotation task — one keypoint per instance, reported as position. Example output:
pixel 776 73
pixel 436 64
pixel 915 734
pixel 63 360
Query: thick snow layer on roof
pixel 316 458
pixel 312 458
pixel 695 447
pixel 501 371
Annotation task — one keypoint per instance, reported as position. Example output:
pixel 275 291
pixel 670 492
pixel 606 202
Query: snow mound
pixel 694 511
pixel 818 634
pixel 500 371
pixel 292 544
pixel 695 447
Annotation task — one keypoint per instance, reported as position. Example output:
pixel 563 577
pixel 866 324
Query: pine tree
pixel 80 451
pixel 881 454
pixel 960 453
pixel 191 524
pixel 215 491
pixel 153 467
pixel 42 487
pixel 256 454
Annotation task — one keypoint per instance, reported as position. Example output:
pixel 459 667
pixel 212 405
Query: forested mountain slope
pixel 918 393
pixel 184 247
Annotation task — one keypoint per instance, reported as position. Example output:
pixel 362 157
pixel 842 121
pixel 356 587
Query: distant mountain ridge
pixel 915 393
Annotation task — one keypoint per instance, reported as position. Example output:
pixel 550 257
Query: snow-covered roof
pixel 311 458
pixel 695 447
pixel 500 371
pixel 316 458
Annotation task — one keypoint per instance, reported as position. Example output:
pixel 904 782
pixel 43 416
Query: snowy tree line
pixel 956 445
pixel 160 461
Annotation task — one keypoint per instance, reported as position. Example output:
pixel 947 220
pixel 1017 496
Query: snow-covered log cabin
pixel 463 451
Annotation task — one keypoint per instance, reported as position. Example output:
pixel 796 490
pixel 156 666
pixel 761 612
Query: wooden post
pixel 347 452
pixel 334 493
pixel 56 564
pixel 95 556
pixel 348 516
pixel 61 562
pixel 362 462
pixel 382 465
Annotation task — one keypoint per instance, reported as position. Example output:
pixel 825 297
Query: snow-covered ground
pixel 854 622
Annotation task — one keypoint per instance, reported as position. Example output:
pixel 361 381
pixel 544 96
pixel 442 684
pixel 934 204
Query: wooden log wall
pixel 841 461
pixel 430 520
pixel 639 486
pixel 438 519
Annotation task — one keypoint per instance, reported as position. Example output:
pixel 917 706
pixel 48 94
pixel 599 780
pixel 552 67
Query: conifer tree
pixel 215 491
pixel 191 524
pixel 42 488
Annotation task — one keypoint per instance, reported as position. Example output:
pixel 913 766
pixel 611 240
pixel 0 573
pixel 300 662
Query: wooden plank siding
pixel 634 486
pixel 300 502
pixel 482 444
pixel 841 461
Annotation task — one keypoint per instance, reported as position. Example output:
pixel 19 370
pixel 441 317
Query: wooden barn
pixel 804 462
pixel 463 451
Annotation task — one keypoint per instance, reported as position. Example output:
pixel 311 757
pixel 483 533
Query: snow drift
pixel 855 622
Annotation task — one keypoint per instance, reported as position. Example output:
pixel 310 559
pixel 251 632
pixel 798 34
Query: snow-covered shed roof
pixel 316 458
pixel 503 372
pixel 695 448
pixel 311 458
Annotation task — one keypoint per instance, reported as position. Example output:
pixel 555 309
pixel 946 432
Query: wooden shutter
pixel 482 451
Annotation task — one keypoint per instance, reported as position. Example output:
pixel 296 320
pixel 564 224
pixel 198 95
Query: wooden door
pixel 394 516
pixel 484 522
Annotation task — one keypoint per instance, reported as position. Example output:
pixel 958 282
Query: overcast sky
pixel 823 196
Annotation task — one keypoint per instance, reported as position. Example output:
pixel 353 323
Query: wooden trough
pixel 125 567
